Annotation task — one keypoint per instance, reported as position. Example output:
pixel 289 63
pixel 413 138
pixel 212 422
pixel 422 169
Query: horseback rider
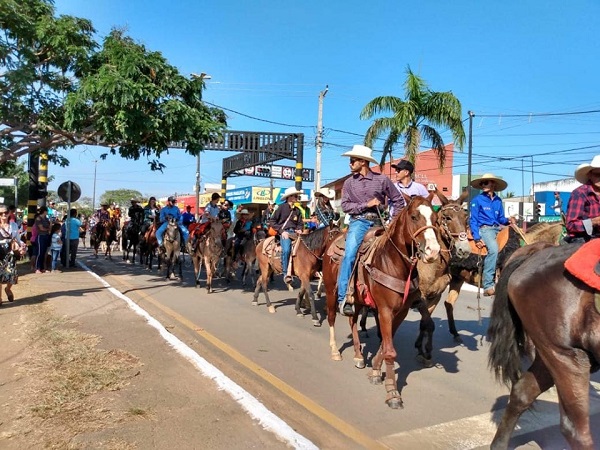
pixel 170 210
pixel 583 210
pixel 362 194
pixel 268 213
pixel 151 212
pixel 115 215
pixel 187 217
pixel 323 210
pixel 487 215
pixel 101 215
pixel 287 221
pixel 225 217
pixel 241 231
pixel 136 213
pixel 211 211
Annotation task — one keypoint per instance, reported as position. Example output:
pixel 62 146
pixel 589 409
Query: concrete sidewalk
pixel 189 410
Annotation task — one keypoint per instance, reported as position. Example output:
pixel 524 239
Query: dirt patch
pixel 59 382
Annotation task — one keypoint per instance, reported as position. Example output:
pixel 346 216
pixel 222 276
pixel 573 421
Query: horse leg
pixel 455 285
pixel 533 382
pixel 209 273
pixel 311 299
pixel 359 360
pixel 331 296
pixel 426 329
pixel 364 314
pixel 320 286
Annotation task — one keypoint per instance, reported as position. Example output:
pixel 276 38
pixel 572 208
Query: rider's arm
pixel 474 219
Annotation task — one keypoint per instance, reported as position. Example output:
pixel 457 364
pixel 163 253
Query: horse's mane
pixel 314 240
pixel 544 232
pixel 400 219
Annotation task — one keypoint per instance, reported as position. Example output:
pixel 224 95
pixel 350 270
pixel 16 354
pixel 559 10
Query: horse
pixel 172 244
pixel 537 299
pixel 105 231
pixel 247 254
pixel 468 270
pixel 149 245
pixel 434 278
pixel 131 240
pixel 385 280
pixel 207 251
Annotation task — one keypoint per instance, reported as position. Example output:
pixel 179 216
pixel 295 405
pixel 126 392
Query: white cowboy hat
pixel 303 198
pixel 290 191
pixel 244 211
pixel 326 192
pixel 361 152
pixel 499 183
pixel 581 173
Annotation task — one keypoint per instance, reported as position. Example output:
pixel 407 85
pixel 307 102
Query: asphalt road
pixel 284 361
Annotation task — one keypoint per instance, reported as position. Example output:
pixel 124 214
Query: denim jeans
pixel 354 237
pixel 55 257
pixel 286 250
pixel 488 235
pixel 161 230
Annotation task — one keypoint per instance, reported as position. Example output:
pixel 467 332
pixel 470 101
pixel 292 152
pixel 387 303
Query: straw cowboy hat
pixel 290 191
pixel 499 183
pixel 244 211
pixel 361 152
pixel 326 192
pixel 582 172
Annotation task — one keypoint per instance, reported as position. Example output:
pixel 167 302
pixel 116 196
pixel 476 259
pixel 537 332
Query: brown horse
pixel 172 254
pixel 385 278
pixel 434 278
pixel 247 255
pixel 149 246
pixel 207 251
pixel 468 270
pixel 105 231
pixel 543 302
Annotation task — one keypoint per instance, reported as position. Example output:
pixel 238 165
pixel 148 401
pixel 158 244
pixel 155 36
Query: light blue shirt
pixel 211 210
pixel 486 211
pixel 167 211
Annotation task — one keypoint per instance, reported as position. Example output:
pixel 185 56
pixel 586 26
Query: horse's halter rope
pixel 442 223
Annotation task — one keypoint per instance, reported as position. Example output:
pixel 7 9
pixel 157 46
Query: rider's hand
pixel 373 202
pixel 479 243
pixel 285 235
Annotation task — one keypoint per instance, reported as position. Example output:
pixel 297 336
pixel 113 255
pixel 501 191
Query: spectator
pixel 43 239
pixel 71 229
pixel 56 245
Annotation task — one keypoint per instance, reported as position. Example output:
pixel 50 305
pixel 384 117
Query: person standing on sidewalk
pixel 74 224
pixel 56 245
pixel 43 239
pixel 487 215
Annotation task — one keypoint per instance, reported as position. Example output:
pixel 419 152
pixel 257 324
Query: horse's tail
pixel 505 331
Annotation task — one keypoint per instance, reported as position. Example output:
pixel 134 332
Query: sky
pixel 527 70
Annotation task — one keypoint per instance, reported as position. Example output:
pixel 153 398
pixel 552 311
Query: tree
pixel 60 89
pixel 121 197
pixel 414 119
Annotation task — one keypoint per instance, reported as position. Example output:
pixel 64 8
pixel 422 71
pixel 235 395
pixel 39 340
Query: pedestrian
pixel 583 210
pixel 363 194
pixel 43 239
pixel 56 245
pixel 557 204
pixel 487 217
pixel 71 229
pixel 11 245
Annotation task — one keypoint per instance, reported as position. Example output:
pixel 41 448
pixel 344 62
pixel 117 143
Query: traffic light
pixel 537 211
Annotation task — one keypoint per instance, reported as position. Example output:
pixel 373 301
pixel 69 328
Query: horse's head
pixel 416 226
pixel 453 224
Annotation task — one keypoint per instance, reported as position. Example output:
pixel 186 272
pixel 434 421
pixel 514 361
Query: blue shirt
pixel 167 211
pixel 486 211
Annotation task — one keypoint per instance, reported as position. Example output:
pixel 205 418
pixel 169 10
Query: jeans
pixel 161 230
pixel 55 257
pixel 43 241
pixel 354 237
pixel 488 235
pixel 286 249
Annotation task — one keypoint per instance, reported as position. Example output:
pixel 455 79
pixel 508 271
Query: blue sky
pixel 270 59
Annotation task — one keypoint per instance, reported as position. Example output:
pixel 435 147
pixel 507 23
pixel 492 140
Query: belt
pixel 367 216
pixel 489 226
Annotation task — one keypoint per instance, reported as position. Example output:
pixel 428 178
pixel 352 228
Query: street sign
pixel 63 191
pixel 277 172
pixel 7 181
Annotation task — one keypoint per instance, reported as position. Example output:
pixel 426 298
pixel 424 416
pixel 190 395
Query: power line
pixel 573 113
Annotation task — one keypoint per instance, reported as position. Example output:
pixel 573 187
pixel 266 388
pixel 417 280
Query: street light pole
pixel 202 76
pixel 94 192
pixel 470 159
pixel 319 143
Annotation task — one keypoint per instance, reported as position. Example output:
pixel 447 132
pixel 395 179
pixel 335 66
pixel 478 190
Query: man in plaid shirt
pixel 583 211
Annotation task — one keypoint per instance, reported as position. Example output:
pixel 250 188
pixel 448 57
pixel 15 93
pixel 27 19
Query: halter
pixel 442 223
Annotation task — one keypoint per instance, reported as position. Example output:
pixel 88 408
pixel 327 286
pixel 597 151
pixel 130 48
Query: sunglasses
pixel 595 173
pixel 353 160
pixel 3 213
pixel 485 183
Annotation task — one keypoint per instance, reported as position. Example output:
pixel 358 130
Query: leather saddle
pixel 272 250
pixel 501 239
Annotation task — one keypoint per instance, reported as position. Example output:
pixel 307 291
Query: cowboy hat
pixel 290 191
pixel 499 182
pixel 582 172
pixel 303 198
pixel 326 192
pixel 361 152
pixel 244 211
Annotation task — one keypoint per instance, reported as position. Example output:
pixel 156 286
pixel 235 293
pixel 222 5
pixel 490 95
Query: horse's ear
pixel 407 198
pixel 463 197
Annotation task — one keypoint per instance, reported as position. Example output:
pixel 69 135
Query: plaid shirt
pixel 584 205
pixel 359 190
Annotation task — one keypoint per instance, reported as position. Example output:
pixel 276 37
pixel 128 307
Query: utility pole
pixel 94 191
pixel 197 187
pixel 469 173
pixel 322 95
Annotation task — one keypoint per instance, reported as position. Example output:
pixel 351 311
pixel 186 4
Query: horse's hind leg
pixel 533 382
pixel 426 329
pixel 451 299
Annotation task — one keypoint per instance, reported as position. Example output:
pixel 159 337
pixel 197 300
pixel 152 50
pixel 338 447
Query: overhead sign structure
pixel 275 171
pixel 8 181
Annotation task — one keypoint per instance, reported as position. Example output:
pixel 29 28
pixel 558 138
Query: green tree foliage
pixel 60 88
pixel 121 197
pixel 414 119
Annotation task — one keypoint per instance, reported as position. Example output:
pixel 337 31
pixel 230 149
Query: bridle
pixel 443 225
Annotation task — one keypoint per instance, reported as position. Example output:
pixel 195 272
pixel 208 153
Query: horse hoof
pixel 395 403
pixel 376 379
pixel 272 309
pixel 254 303
pixel 299 314
pixel 290 287
pixel 427 363
pixel 458 339
pixel 336 356
pixel 316 323
pixel 359 363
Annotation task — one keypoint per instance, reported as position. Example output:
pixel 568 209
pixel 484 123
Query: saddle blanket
pixel 583 262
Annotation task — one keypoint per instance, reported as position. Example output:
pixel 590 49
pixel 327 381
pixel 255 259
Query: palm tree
pixel 414 119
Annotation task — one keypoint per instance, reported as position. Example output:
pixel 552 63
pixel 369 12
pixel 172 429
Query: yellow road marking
pixel 313 407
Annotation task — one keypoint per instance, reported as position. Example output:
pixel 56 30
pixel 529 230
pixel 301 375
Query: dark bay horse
pixel 105 231
pixel 434 278
pixel 130 240
pixel 467 270
pixel 207 251
pixel 247 256
pixel 537 299
pixel 388 276
pixel 172 255
pixel 149 246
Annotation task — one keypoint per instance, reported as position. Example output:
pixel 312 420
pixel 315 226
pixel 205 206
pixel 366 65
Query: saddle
pixel 501 239
pixel 272 250
pixel 585 265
